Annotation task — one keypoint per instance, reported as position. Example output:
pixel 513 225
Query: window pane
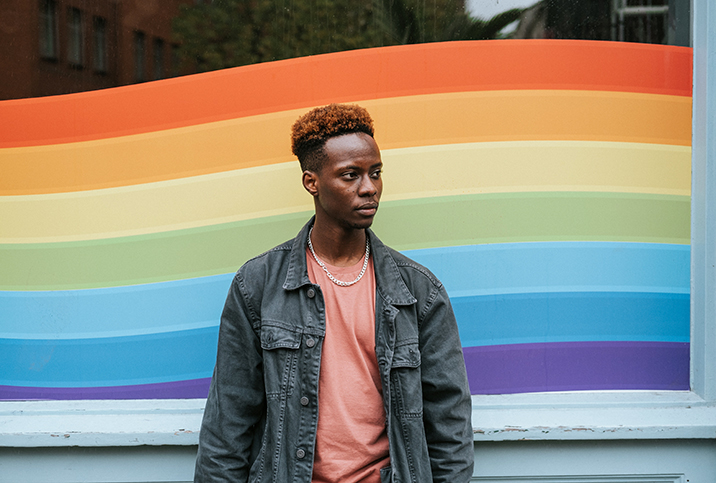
pixel 100 44
pixel 75 43
pixel 583 171
pixel 174 69
pixel 139 54
pixel 158 58
pixel 48 29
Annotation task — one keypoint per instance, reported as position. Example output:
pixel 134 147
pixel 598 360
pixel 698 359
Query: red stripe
pixel 344 77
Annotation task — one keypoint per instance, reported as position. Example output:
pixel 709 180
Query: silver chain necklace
pixel 330 276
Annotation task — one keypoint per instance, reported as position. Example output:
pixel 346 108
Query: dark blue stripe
pixel 113 361
pixel 572 316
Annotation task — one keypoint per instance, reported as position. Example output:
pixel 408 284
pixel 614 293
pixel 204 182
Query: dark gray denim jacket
pixel 262 411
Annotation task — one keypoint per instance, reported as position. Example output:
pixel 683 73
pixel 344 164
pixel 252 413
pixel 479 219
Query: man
pixel 339 358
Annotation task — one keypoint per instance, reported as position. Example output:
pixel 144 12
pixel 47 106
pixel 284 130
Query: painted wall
pixel 547 183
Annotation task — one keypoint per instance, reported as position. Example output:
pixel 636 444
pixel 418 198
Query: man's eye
pixel 349 175
pixel 376 174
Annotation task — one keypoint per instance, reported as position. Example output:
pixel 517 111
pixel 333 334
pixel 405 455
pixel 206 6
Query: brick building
pixel 50 47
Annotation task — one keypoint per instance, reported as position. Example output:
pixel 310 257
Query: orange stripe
pixel 400 122
pixel 343 77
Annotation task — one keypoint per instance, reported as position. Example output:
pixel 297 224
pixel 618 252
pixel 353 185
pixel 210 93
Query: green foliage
pixel 228 33
pixel 418 21
pixel 466 28
pixel 210 36
pixel 294 28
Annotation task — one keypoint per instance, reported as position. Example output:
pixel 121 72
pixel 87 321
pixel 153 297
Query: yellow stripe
pixel 522 166
pixel 415 172
pixel 400 122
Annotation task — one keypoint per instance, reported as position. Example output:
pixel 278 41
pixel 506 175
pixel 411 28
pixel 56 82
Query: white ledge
pixel 100 423
pixel 593 416
pixel 607 415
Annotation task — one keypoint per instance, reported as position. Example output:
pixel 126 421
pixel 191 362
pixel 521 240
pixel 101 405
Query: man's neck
pixel 338 246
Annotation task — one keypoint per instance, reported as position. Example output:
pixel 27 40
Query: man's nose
pixel 367 187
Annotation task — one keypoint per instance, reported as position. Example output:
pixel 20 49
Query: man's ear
pixel 310 182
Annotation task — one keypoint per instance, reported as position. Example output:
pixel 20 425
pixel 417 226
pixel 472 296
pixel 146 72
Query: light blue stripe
pixel 116 311
pixel 559 267
pixel 465 270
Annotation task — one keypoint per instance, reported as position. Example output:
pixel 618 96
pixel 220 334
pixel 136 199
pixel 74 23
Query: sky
pixel 487 9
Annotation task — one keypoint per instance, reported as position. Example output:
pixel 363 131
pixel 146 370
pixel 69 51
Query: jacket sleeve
pixel 236 402
pixel 447 405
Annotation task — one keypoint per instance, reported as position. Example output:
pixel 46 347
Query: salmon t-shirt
pixel 351 440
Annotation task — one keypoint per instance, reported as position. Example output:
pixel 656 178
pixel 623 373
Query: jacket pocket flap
pixel 407 355
pixel 273 337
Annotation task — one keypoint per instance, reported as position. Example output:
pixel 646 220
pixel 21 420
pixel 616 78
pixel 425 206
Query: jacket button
pixel 300 454
pixel 304 401
pixel 311 293
pixel 310 343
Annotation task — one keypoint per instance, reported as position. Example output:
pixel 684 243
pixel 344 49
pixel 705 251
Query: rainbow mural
pixel 547 183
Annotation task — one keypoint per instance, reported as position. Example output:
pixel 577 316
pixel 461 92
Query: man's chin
pixel 363 224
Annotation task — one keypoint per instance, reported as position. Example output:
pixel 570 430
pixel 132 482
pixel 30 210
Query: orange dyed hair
pixel 311 131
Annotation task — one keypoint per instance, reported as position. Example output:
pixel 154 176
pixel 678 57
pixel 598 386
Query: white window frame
pixel 546 416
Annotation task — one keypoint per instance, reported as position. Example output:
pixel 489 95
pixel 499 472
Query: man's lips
pixel 368 209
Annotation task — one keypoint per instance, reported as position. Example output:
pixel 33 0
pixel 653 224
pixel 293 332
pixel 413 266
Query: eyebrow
pixel 355 166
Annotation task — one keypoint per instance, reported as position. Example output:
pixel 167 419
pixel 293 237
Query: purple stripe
pixel 194 388
pixel 499 369
pixel 577 366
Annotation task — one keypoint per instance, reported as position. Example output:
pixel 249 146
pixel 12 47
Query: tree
pixel 409 22
pixel 228 33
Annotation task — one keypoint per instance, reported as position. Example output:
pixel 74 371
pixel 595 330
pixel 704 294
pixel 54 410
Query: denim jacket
pixel 262 410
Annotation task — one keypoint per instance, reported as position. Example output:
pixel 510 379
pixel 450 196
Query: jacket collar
pixel 388 278
pixel 297 273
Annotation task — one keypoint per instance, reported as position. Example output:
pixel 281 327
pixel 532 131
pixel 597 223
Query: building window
pixel 75 39
pixel 99 52
pixel 48 29
pixel 158 58
pixel 175 60
pixel 640 21
pixel 139 55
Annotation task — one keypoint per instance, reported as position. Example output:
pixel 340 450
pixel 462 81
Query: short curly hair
pixel 311 131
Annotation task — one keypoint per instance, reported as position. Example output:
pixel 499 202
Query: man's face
pixel 347 189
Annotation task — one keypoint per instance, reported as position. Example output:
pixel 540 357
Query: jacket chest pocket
pixel 405 378
pixel 280 344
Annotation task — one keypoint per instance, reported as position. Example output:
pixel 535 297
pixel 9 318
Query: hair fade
pixel 311 131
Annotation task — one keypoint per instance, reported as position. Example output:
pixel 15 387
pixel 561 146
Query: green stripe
pixel 525 217
pixel 409 224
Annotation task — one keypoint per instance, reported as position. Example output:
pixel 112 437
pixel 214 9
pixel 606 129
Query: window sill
pixel 100 423
pixel 608 415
